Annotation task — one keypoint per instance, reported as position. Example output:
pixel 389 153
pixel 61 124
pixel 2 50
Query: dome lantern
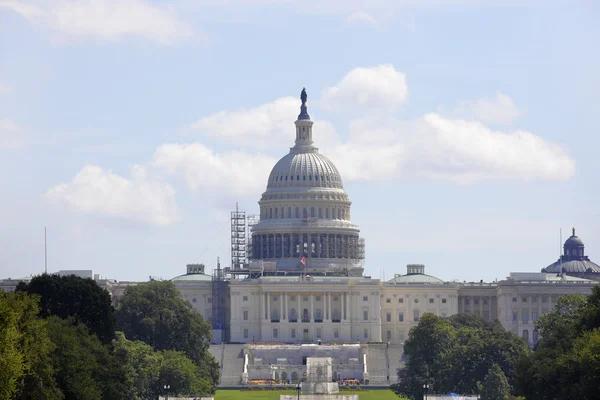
pixel 303 127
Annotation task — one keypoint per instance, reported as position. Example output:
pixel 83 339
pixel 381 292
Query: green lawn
pixel 273 395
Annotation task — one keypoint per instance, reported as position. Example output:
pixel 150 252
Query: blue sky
pixel 466 131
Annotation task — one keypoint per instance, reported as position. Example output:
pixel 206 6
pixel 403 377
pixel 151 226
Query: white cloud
pixel 373 88
pixel 268 126
pixel 498 110
pixel 105 19
pixel 208 172
pixel 361 17
pixel 460 151
pixel 9 135
pixel 99 192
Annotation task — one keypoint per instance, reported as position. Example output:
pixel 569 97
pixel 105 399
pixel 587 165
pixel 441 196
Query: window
pixel 293 333
pixel 297 212
pixel 320 212
pixel 194 300
pixel 416 315
pixel 276 212
pixel 388 335
pixel 274 298
pixel 534 299
pixel 444 301
pixel 336 333
pixel 485 302
pixel 514 299
pixel 366 333
pixel 275 333
pixel 524 316
pixel 245 298
pixel 400 300
pixel 534 315
pixel 293 316
pixel 275 315
pixel 544 299
pixel 388 317
pixel 467 302
pixel 245 333
pixel 401 335
pixel 388 301
pixel 327 213
pixel 526 335
pixel 312 212
pixel 318 333
pixel 318 298
pixel 486 315
pixel 365 315
pixel 335 298
pixel 524 299
pixel 365 298
pixel 209 299
pixel 515 316
pixel 416 300
pixel 270 213
pixel 430 301
pixel 318 315
pixel 303 177
pixel 476 301
pixel 305 298
pixel 292 298
pixel 245 315
pixel 401 317
pixel 535 336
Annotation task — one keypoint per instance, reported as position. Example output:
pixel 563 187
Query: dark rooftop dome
pixel 573 261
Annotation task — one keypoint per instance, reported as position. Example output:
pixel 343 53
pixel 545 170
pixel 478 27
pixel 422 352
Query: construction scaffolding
pixel 219 318
pixel 239 259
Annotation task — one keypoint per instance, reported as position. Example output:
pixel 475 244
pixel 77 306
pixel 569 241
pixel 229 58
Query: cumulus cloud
pixel 497 110
pixel 100 192
pixel 105 19
pixel 10 137
pixel 361 17
pixel 371 88
pixel 456 150
pixel 267 126
pixel 206 171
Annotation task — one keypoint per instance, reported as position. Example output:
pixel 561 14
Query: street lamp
pixel 298 387
pixel 167 387
pixel 426 389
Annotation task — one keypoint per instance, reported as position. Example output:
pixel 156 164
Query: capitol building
pixel 296 281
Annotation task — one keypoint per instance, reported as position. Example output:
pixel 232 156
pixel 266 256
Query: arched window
pixel 318 316
pixel 320 212
pixel 526 335
pixel 293 315
pixel 535 336
pixel 305 315
pixel 416 315
pixel 284 376
pixel 276 375
pixel 335 314
pixel 294 376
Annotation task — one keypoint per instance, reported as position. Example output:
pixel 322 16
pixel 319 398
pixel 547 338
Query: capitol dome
pixel 305 222
pixel 574 262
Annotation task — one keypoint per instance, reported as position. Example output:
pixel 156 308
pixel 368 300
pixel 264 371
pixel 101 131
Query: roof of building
pixel 415 278
pixel 305 168
pixel 192 277
pixel 573 266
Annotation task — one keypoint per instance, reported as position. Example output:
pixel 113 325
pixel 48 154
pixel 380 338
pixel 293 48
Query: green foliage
pixel 25 370
pixel 156 314
pixel 454 354
pixel 566 363
pixel 182 375
pixel 495 386
pixel 77 298
pixel 85 368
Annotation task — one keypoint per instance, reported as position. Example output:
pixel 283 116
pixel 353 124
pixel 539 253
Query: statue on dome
pixel 303 96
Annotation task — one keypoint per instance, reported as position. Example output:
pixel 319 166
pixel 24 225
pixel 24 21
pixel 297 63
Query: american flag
pixel 303 260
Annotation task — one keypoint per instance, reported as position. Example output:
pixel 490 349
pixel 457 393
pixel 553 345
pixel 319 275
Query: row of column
pixel 285 307
pixel 312 245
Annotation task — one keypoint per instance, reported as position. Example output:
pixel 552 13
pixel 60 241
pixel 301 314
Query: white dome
pixel 305 169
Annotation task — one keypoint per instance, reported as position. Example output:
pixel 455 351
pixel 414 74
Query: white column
pixel 312 316
pixel 280 306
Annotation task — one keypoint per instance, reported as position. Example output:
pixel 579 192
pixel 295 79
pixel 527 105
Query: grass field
pixel 274 395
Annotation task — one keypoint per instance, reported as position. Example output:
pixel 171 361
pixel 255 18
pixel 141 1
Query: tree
pixel 156 314
pixel 85 368
pixel 80 299
pixel 453 355
pixel 495 386
pixel 25 370
pixel 142 366
pixel 182 375
pixel 565 364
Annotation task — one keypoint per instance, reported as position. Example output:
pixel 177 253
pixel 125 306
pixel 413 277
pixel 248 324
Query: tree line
pixel 465 354
pixel 61 339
